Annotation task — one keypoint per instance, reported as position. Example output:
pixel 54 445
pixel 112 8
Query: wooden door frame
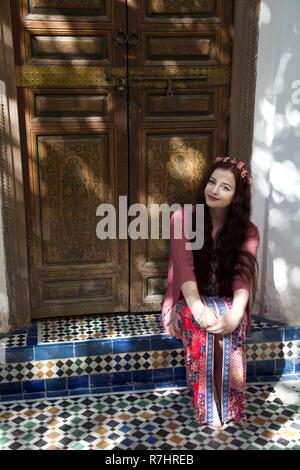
pixel 12 188
pixel 243 79
pixel 243 83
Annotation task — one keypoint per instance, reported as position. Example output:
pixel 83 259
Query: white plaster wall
pixel 3 290
pixel 276 158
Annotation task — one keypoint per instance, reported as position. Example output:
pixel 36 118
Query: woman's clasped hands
pixel 208 317
pixel 226 324
pixel 210 320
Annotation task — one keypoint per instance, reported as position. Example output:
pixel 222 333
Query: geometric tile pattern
pixel 273 350
pixel 15 340
pixel 259 324
pixel 69 367
pixel 131 361
pixel 56 330
pixel 156 420
pixel 135 354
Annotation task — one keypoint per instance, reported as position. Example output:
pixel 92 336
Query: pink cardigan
pixel 181 268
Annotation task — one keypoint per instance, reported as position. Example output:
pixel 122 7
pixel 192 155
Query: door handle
pixel 133 38
pixel 120 37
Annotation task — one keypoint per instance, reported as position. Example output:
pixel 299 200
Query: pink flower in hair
pixel 240 165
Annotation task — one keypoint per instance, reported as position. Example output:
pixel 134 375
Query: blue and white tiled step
pixel 112 353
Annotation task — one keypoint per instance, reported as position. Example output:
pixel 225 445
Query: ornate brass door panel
pixel 179 77
pixel 75 151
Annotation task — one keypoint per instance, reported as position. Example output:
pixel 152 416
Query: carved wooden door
pixel 82 64
pixel 179 77
pixel 74 151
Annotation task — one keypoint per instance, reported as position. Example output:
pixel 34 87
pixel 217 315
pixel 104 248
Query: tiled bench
pixel 74 357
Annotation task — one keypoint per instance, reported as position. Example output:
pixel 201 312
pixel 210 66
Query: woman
pixel 210 293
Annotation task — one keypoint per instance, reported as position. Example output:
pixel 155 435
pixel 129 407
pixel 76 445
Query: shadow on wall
pixel 3 291
pixel 276 159
pixel 3 313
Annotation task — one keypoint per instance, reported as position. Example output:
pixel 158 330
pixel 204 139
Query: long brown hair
pixel 230 259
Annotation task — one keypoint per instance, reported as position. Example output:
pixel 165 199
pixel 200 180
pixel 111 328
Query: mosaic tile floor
pixel 150 420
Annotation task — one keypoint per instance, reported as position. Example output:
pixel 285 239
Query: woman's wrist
pixel 237 312
pixel 205 325
pixel 200 315
pixel 240 301
pixel 199 307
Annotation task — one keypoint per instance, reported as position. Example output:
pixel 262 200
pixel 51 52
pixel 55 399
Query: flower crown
pixel 239 165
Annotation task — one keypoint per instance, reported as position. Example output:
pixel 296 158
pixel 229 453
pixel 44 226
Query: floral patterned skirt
pixel 199 363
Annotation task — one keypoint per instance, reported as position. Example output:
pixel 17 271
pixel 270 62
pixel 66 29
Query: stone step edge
pixel 118 346
pixel 98 391
pixel 267 357
pixel 101 381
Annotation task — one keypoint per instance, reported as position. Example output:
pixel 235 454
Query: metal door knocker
pixel 133 38
pixel 120 37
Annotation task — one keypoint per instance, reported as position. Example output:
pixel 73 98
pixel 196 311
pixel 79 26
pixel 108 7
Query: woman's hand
pixel 227 323
pixel 206 319
pixel 174 324
pixel 211 316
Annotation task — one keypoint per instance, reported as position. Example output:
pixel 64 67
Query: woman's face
pixel 220 189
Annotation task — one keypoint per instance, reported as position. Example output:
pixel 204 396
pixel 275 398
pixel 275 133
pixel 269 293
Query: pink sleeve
pixel 180 270
pixel 251 245
pixel 183 260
